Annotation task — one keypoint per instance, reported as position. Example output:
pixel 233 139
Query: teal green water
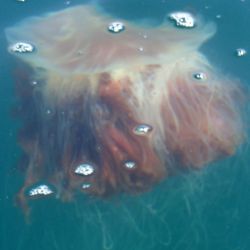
pixel 204 210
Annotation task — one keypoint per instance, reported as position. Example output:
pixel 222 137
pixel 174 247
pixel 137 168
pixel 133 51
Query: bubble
pixel 141 49
pixel 86 185
pixel 84 169
pixel 116 27
pixel 34 83
pixel 40 190
pixel 130 164
pixel 200 76
pixel 142 129
pixel 21 47
pixel 183 19
pixel 48 111
pixel 241 52
pixel 79 52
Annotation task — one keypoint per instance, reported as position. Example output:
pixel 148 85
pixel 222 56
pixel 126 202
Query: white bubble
pixel 84 169
pixel 241 52
pixel 41 190
pixel 183 19
pixel 86 185
pixel 21 47
pixel 116 27
pixel 79 52
pixel 200 76
pixel 34 83
pixel 130 164
pixel 142 129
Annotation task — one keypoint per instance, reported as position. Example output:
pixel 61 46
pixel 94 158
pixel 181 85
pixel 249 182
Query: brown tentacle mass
pixel 123 145
pixel 96 129
pixel 201 124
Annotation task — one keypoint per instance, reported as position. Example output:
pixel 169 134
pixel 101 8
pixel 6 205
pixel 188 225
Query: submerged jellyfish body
pixel 111 112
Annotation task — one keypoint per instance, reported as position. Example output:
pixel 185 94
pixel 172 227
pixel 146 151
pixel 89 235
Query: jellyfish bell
pixel 117 111
pixel 66 38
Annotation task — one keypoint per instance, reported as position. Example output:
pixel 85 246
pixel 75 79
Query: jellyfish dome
pixel 114 107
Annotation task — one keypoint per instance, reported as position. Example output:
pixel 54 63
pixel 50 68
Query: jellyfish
pixel 111 107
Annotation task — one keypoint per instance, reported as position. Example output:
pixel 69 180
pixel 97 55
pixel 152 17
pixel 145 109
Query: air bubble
pixel 79 52
pixel 200 76
pixel 183 19
pixel 84 169
pixel 116 27
pixel 86 185
pixel 48 111
pixel 130 165
pixel 241 52
pixel 40 190
pixel 21 47
pixel 142 129
pixel 34 83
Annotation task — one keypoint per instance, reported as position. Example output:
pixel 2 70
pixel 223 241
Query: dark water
pixel 208 209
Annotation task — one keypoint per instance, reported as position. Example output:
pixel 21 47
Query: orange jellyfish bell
pixel 115 112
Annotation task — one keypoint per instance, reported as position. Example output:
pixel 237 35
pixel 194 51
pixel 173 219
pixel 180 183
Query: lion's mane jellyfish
pixel 111 107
